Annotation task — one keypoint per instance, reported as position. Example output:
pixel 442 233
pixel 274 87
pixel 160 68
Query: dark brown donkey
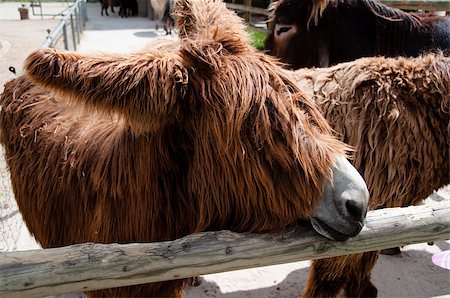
pixel 304 34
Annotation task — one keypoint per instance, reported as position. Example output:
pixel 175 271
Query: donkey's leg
pixel 325 278
pixel 391 251
pixel 359 284
pixel 352 273
pixel 173 288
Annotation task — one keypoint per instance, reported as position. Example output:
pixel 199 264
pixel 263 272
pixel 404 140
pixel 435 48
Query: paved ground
pixel 410 274
pixel 9 10
pixel 102 34
pixel 18 39
pixel 124 34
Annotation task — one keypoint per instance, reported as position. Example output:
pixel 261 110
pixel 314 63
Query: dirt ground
pixel 410 274
pixel 20 37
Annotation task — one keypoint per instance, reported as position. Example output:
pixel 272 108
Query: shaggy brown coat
pixel 153 146
pixel 395 113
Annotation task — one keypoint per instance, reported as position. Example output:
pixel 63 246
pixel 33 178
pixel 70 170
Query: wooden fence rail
pixel 247 8
pixel 426 5
pixel 95 266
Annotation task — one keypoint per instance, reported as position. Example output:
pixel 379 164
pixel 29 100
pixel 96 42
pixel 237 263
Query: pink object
pixel 442 259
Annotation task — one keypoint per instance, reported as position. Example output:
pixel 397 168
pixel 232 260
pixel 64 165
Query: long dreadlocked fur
pixel 395 113
pixel 153 146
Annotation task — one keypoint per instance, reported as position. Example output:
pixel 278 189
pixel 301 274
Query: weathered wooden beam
pixel 427 5
pixel 246 8
pixel 96 266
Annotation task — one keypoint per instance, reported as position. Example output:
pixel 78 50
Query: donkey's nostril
pixel 356 209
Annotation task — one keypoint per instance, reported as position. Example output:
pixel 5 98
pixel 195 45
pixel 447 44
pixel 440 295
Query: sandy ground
pixel 410 274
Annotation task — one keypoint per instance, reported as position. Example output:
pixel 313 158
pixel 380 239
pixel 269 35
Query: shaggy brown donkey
pixel 395 113
pixel 307 33
pixel 156 145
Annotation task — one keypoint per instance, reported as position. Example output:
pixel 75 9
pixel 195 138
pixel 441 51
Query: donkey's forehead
pixel 296 7
pixel 299 8
pixel 292 3
pixel 291 9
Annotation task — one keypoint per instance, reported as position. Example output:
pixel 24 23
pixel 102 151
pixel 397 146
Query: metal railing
pixel 38 4
pixel 69 30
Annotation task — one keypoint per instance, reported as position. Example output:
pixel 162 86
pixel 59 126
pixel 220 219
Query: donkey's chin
pixel 327 231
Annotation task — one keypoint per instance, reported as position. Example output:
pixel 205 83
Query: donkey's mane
pixel 391 15
pixel 382 12
pixel 392 25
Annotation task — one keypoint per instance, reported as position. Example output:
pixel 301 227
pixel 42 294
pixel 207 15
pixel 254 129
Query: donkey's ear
pixel 209 20
pixel 143 87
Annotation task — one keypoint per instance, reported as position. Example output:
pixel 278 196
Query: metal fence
pixel 37 4
pixel 11 228
pixel 67 34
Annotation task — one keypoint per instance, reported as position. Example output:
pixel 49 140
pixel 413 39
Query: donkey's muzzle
pixel 342 211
